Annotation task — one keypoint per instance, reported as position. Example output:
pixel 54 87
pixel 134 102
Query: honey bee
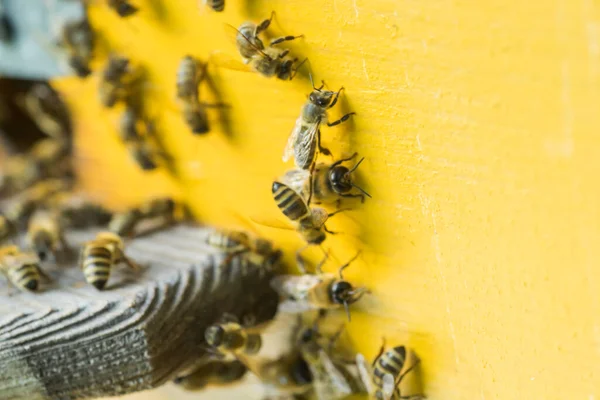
pixel 45 234
pixel 305 138
pixel 100 255
pixel 268 61
pixel 25 203
pixel 163 207
pixel 124 223
pixel 145 154
pixel 230 339
pixel 47 110
pixel 288 375
pixel 77 39
pixel 76 211
pixel 7 228
pixel 123 7
pixel 235 243
pixel 323 291
pixel 189 76
pixel 329 182
pixel 215 5
pixel 128 130
pixel 310 222
pixel 331 378
pixel 382 379
pixel 112 86
pixel 212 373
pixel 21 269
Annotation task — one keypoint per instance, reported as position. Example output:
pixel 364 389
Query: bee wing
pixel 294 287
pixel 289 147
pixel 296 179
pixel 388 385
pixel 225 60
pixel 295 307
pixel 338 383
pixel 364 372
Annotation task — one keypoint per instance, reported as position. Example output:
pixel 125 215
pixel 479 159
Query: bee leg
pixel 335 99
pixel 328 231
pixel 264 24
pixel 339 121
pixel 362 196
pixel 322 149
pixel 381 349
pixel 297 67
pixel 300 261
pixel 284 39
pixel 285 53
pixel 130 263
pixel 338 162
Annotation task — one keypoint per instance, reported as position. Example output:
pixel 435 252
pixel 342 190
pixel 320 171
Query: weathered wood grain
pixel 73 342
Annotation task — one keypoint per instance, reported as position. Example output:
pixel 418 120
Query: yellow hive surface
pixel 479 125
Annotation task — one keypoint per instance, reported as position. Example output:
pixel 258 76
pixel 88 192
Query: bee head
pixel 341 292
pixel 339 176
pixel 321 98
pixel 214 335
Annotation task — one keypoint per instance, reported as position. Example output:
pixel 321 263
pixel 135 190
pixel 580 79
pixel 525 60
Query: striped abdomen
pixel 391 362
pixel 26 276
pixel 96 265
pixel 187 86
pixel 291 203
pixel 225 241
pixel 216 5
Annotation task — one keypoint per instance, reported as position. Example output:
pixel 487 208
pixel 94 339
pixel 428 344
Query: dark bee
pixel 189 76
pixel 212 373
pixel 230 339
pixel 77 38
pixel 113 87
pixel 123 7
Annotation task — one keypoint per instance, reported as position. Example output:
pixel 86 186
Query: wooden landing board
pixel 72 341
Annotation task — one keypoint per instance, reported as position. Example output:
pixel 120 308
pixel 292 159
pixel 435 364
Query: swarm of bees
pixel 44 206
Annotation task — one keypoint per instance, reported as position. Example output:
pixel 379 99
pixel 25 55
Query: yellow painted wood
pixel 479 124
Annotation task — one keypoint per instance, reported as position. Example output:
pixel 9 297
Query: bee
pixel 112 86
pixel 323 291
pixel 75 211
pixel 329 182
pixel 77 38
pixel 47 110
pixel 288 375
pixel 7 228
pixel 305 138
pixel 189 76
pixel 128 130
pixel 100 255
pixel 212 373
pixel 238 242
pixel 123 7
pixel 268 61
pixel 230 339
pixel 45 234
pixel 215 5
pixel 164 207
pixel 310 222
pixel 382 378
pixel 21 269
pixel 25 203
pixel 124 223
pixel 331 378
pixel 145 154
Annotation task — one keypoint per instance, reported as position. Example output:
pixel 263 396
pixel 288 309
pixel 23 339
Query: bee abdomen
pixel 289 202
pixel 96 266
pixel 390 362
pixel 217 5
pixel 26 276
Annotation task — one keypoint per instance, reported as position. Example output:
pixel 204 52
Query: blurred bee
pixel 329 182
pixel 382 379
pixel 100 255
pixel 112 86
pixel 145 154
pixel 124 223
pixel 21 269
pixel 331 379
pixel 25 203
pixel 235 243
pixel 189 76
pixel 47 110
pixel 230 339
pixel 77 39
pixel 45 235
pixel 322 291
pixel 310 222
pixel 51 156
pixel 288 375
pixel 128 130
pixel 163 207
pixel 215 5
pixel 19 172
pixel 123 7
pixel 76 211
pixel 212 373
pixel 305 138
pixel 7 228
pixel 7 29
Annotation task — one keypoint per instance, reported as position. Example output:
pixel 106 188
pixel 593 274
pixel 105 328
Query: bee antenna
pixel 356 166
pixel 361 189
pixel 347 307
pixel 338 211
pixel 343 267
